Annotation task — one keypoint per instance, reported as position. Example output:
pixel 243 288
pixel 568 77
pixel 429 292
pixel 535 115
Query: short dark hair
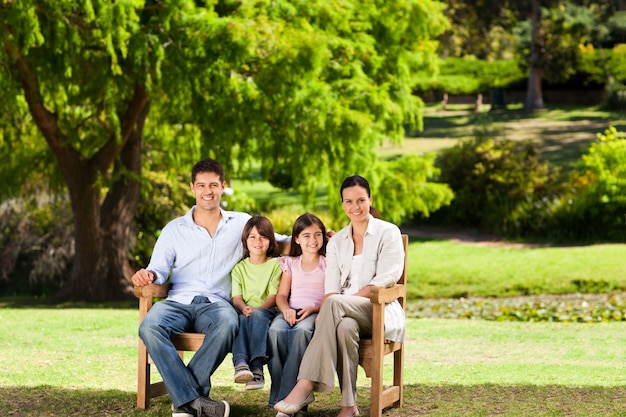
pixel 302 222
pixel 207 165
pixel 264 227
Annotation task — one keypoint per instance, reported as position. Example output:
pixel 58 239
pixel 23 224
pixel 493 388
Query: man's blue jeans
pixel 218 322
pixel 251 340
pixel 286 348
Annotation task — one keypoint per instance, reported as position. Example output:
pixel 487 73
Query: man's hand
pixel 142 277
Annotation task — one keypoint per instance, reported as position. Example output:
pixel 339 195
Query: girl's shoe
pixel 243 374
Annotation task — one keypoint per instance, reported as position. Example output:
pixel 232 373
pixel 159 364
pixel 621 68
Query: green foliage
pixel 611 307
pixel 617 62
pixel 405 191
pixel 163 199
pixel 469 76
pixel 506 187
pixel 604 65
pixel 594 206
pixel 401 188
pixel 492 181
pixel 287 89
pixel 36 247
pixel 283 218
pixel 565 28
pixel 311 88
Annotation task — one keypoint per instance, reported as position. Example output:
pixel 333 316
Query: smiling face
pixel 208 190
pixel 257 243
pixel 356 203
pixel 310 239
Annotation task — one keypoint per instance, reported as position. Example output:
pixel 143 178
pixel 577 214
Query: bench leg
pixel 143 378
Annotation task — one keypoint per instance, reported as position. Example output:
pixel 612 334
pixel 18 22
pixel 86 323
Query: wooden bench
pixel 372 351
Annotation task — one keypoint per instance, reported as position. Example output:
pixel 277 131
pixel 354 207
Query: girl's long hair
pixel 301 223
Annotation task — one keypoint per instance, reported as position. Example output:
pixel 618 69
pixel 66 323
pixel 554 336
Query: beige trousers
pixel 334 347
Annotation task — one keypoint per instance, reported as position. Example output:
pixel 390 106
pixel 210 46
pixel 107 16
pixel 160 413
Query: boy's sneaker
pixel 242 373
pixel 206 407
pixel 258 382
pixel 183 411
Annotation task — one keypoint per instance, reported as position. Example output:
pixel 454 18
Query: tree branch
pixel 107 154
pixel 45 120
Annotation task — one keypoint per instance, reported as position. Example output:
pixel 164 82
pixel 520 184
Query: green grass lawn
pixel 562 132
pixel 68 361
pixel 442 268
pixel 82 361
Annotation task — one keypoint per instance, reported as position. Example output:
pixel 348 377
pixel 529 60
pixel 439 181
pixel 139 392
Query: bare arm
pixel 270 302
pixel 239 303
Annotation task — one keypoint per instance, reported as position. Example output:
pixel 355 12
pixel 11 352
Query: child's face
pixel 257 244
pixel 310 239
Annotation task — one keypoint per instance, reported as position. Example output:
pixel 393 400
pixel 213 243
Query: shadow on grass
pixel 43 303
pixel 420 400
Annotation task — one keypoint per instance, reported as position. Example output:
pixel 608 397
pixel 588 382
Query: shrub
pixel 594 205
pixel 162 199
pixel 498 184
pixel 36 247
pixel 469 76
pixel 405 190
pixel 283 218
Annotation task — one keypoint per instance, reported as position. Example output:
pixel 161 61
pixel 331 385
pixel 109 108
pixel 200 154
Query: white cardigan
pixel 383 261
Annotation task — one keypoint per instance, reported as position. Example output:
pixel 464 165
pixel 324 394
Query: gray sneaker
pixel 206 407
pixel 258 382
pixel 243 374
pixel 183 411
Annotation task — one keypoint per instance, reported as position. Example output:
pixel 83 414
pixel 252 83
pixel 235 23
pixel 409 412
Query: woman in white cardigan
pixel 368 252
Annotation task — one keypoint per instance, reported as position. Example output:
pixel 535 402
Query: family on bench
pixel 327 307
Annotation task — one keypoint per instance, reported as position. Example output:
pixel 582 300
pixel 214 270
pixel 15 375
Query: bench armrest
pixel 152 290
pixel 381 295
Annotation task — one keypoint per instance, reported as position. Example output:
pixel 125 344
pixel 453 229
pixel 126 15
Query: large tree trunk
pixel 102 231
pixel 534 95
pixel 118 217
pixel 101 271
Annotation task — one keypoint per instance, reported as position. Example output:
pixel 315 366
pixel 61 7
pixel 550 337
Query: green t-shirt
pixel 256 282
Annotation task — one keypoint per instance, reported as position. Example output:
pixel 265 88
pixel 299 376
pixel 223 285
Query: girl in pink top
pixel 299 297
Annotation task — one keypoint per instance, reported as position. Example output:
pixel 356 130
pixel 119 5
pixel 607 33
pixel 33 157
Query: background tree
pixel 546 34
pixel 311 86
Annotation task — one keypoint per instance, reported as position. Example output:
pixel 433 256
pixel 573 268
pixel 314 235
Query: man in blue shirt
pixel 196 252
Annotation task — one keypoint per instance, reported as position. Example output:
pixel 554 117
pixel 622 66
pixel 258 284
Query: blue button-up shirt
pixel 198 263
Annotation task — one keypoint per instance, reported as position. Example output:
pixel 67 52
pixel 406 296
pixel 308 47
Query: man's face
pixel 208 190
